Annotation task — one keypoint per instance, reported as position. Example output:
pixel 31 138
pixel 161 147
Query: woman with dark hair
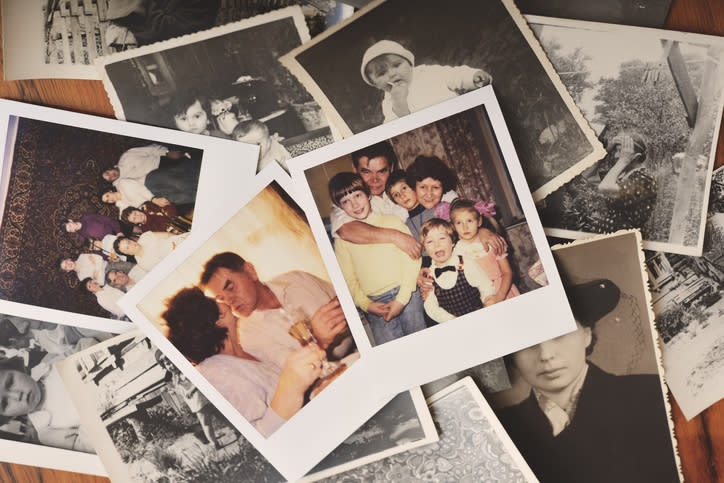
pixel 581 423
pixel 206 335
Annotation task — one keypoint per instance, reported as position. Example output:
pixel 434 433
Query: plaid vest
pixel 462 298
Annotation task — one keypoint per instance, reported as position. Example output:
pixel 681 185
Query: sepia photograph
pixel 597 392
pixel 473 446
pixel 429 229
pixel 248 312
pixel 656 105
pixel 382 64
pixel 642 13
pixel 38 422
pixel 226 83
pixel 149 423
pixel 63 39
pixel 89 206
pixel 687 299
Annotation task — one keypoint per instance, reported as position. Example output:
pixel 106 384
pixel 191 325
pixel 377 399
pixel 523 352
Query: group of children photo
pixel 413 253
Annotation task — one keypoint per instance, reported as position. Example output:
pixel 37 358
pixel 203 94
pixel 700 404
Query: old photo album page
pixel 90 205
pixel 249 313
pixel 383 63
pixel 447 181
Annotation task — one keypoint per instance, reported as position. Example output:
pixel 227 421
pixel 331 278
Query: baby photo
pixel 426 226
pixel 384 64
pixel 227 83
pixel 88 212
pixel 37 416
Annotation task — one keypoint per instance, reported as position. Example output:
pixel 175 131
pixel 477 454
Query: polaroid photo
pixel 251 305
pixel 62 39
pixel 402 425
pixel 39 425
pixel 349 70
pixel 657 107
pixel 67 251
pixel 225 82
pixel 148 422
pixel 687 300
pixel 473 446
pixel 598 391
pixel 643 13
pixel 458 149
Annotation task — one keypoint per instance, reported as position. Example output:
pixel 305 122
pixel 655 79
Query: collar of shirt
pixel 561 417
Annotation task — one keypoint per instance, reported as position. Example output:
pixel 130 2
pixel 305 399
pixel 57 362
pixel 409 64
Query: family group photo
pixel 86 214
pixel 426 226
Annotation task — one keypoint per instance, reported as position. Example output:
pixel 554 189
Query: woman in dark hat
pixel 581 423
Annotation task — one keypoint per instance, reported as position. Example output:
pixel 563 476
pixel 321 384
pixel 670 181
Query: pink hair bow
pixel 485 208
pixel 442 210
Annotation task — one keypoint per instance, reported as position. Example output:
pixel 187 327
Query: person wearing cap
pixel 391 68
pixel 580 423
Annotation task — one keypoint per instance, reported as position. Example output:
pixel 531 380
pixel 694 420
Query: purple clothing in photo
pixel 97 226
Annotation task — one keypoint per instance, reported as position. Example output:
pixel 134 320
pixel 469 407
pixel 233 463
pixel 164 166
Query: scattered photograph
pixel 382 64
pixel 149 423
pixel 38 423
pixel 656 106
pixel 225 82
pixel 597 392
pixel 403 424
pixel 473 446
pixel 248 312
pixel 642 13
pixel 687 300
pixel 63 39
pixel 428 223
pixel 89 206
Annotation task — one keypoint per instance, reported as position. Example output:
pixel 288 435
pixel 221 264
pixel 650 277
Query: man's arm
pixel 362 233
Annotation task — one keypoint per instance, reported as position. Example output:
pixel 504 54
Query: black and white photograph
pixel 38 422
pixel 63 39
pixel 383 63
pixel 402 425
pixel 226 83
pixel 473 446
pixel 687 299
pixel 642 13
pixel 596 393
pixel 655 100
pixel 149 423
pixel 90 205
pixel 429 226
pixel 248 312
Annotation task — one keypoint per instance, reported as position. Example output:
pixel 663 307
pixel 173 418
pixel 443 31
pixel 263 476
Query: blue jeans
pixel 411 319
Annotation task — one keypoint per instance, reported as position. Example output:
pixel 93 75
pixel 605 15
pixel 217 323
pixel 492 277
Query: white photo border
pixel 290 449
pixel 465 342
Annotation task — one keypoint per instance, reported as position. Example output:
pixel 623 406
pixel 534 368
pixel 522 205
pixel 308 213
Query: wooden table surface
pixel 700 441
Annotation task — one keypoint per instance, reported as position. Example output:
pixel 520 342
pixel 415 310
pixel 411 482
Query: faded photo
pixel 254 310
pixel 656 106
pixel 227 83
pixel 643 13
pixel 148 421
pixel 435 208
pixel 75 33
pixel 34 406
pixel 687 299
pixel 589 405
pixel 87 214
pixel 472 446
pixel 386 64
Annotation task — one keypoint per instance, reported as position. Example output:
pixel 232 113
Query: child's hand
pixel 482 78
pixel 398 93
pixel 395 308
pixel 424 282
pixel 379 309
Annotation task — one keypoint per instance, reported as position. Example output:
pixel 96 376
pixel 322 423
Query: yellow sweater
pixel 374 269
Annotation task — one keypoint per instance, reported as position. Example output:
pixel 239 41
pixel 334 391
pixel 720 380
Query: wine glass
pixel 301 330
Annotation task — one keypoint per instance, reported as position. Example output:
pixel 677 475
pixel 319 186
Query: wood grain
pixel 700 441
